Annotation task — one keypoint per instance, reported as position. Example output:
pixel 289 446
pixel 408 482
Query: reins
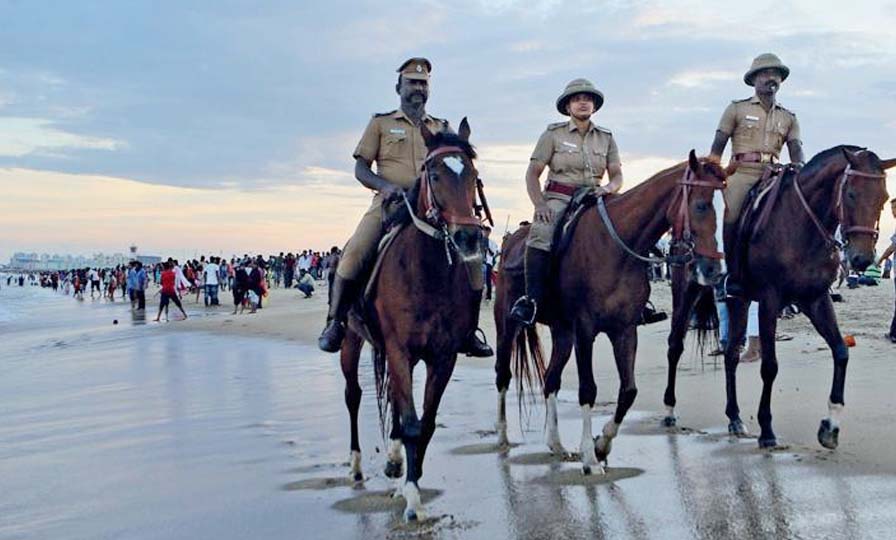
pixel 682 235
pixel 829 238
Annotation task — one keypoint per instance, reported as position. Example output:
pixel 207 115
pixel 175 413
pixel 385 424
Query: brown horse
pixel 601 285
pixel 423 305
pixel 794 260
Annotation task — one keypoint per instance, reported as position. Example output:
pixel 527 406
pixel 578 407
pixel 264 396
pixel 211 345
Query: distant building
pixel 45 261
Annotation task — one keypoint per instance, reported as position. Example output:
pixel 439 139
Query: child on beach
pixel 169 292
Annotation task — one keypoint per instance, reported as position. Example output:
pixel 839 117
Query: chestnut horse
pixel 794 260
pixel 600 284
pixel 423 305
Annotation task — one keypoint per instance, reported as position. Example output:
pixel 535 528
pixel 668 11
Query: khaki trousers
pixel 361 247
pixel 739 184
pixel 541 234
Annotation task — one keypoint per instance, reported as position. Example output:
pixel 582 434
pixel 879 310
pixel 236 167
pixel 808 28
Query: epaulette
pixel 741 100
pixel 785 109
pixel 440 120
pixel 556 125
pixel 377 115
pixel 603 129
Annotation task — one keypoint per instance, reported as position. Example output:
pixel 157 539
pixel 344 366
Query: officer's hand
pixel 390 192
pixel 543 213
pixel 600 191
pixel 795 166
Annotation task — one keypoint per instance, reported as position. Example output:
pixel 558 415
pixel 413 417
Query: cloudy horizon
pixel 228 127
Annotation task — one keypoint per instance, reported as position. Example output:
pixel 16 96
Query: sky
pixel 217 126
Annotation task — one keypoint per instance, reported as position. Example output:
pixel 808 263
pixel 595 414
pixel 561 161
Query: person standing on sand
pixel 169 292
pixel 886 255
pixel 140 280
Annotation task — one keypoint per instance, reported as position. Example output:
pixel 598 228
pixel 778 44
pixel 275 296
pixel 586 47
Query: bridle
pixel 437 219
pixel 839 209
pixel 683 239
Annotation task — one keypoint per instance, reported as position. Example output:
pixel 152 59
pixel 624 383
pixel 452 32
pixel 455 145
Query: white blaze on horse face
pixel 455 164
pixel 718 203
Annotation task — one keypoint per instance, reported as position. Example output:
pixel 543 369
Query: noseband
pixel 839 210
pixel 436 218
pixel 682 235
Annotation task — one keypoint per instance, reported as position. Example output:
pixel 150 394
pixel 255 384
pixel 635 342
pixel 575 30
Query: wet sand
pixel 234 427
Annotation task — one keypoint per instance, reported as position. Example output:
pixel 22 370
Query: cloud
pixel 700 79
pixel 22 136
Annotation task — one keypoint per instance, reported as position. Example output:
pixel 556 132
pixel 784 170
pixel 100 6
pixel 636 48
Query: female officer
pixel 577 153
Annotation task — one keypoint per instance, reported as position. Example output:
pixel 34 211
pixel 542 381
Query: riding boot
pixel 753 352
pixel 343 294
pixel 537 266
pixel 476 347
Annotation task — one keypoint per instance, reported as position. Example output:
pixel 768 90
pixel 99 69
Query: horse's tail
pixel 706 320
pixel 382 386
pixel 526 344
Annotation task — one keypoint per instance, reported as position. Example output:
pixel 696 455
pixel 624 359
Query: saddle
pixel 756 210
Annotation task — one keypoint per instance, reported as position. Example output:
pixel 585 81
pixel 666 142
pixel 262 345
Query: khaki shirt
pixel 573 159
pixel 396 145
pixel 752 129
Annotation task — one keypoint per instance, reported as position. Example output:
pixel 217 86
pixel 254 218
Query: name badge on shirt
pixel 397 131
pixel 570 145
pixel 751 117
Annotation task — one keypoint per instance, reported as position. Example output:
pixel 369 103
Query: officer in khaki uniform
pixel 577 154
pixel 758 128
pixel 393 141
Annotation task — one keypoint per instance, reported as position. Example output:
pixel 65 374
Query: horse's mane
pixel 447 138
pixel 821 159
pixel 678 168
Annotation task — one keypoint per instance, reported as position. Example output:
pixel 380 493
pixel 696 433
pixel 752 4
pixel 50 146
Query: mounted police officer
pixel 758 128
pixel 394 142
pixel 577 154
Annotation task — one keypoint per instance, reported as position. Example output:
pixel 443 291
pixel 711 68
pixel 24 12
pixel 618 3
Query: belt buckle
pixel 765 158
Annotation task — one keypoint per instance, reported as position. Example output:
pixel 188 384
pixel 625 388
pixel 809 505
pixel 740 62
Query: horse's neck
pixel 820 191
pixel 640 216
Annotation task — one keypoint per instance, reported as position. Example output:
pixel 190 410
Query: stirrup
pixel 330 339
pixel 519 314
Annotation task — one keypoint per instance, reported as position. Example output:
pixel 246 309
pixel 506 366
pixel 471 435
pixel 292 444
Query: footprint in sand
pixel 380 501
pixel 574 477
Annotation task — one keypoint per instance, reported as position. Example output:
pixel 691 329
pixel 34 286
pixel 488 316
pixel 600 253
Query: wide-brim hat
pixel 765 61
pixel 579 86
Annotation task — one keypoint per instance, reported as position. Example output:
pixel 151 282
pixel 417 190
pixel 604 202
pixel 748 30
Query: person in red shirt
pixel 169 293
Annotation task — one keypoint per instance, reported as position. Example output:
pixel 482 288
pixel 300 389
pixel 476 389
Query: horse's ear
pixel 887 163
pixel 850 157
pixel 463 132
pixel 428 136
pixel 694 163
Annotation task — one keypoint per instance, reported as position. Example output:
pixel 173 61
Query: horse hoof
pixel 768 442
pixel 670 421
pixel 358 477
pixel 602 447
pixel 828 436
pixel 393 469
pixel 586 470
pixel 737 428
pixel 410 516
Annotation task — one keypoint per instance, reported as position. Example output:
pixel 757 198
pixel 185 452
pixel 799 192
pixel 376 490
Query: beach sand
pixel 226 426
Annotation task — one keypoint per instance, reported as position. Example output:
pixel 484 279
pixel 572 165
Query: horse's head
pixel 697 218
pixel 448 189
pixel 860 196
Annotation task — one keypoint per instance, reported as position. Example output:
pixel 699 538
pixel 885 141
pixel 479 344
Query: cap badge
pixel 419 68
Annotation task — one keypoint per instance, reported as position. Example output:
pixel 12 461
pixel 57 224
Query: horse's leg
pixel 438 373
pixel 394 459
pixel 561 348
pixel 587 395
pixel 506 335
pixel 769 307
pixel 821 312
pixel 625 344
pixel 348 357
pixel 683 299
pixel 737 327
pixel 402 397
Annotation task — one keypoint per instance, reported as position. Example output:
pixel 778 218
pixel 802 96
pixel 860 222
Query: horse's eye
pixel 702 207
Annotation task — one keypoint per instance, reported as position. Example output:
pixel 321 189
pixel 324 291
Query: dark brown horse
pixel 601 285
pixel 794 260
pixel 424 305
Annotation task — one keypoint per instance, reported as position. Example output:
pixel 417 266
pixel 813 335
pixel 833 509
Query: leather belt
pixel 756 157
pixel 563 189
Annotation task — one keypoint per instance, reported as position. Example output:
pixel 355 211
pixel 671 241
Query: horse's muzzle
pixel 468 240
pixel 708 271
pixel 859 259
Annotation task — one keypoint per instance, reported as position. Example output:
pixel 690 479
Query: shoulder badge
pixel 741 100
pixel 556 125
pixel 378 115
pixel 783 108
pixel 603 129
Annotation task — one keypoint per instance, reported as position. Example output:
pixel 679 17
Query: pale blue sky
pixel 225 94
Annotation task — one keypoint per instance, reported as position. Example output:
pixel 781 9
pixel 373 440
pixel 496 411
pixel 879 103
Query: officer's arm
pixel 718 145
pixel 369 179
pixel 886 255
pixel 795 149
pixel 533 182
pixel 614 171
